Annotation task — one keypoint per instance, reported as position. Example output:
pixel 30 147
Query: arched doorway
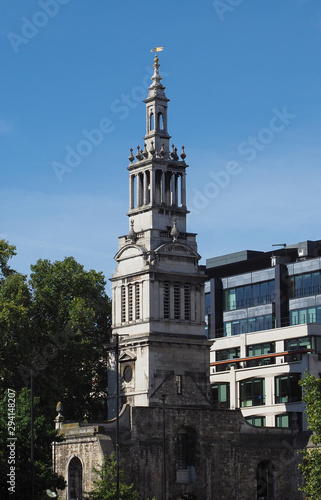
pixel 265 481
pixel 75 479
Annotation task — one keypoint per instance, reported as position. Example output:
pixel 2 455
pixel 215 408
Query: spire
pixel 156 112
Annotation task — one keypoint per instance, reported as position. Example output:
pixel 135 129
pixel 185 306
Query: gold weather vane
pixel 157 49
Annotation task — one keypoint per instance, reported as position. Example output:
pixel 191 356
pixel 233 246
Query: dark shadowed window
pixel 75 479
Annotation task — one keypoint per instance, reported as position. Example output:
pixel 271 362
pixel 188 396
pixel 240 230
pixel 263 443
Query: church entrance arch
pixel 75 479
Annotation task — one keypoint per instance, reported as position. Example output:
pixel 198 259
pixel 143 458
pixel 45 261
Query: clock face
pixel 128 373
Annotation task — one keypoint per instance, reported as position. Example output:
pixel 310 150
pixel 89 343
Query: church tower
pixel 158 286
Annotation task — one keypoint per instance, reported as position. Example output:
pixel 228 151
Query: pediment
pixel 127 356
pixel 178 249
pixel 130 251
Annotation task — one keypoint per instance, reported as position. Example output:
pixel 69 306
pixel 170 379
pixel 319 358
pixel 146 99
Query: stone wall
pixel 225 454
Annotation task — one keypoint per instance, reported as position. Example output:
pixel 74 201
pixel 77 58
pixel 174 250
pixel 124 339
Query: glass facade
pixel 252 392
pixel 305 315
pixel 290 420
pixel 254 324
pixel 225 354
pixel 304 285
pixel 249 295
pixel 287 389
pixel 256 420
pixel 220 395
pixel 259 350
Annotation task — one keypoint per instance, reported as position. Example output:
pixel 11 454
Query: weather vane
pixel 157 49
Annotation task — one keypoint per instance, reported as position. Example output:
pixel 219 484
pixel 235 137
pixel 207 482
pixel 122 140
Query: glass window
pixel 290 420
pixel 220 395
pixel 207 303
pixel 302 316
pixel 235 327
pixel 252 392
pixel 256 294
pixel 231 299
pixel 239 298
pixel 306 284
pixel 294 317
pixel 316 283
pixel 247 296
pixel 227 329
pixel 298 280
pixel 311 315
pixel 287 389
pixel 258 421
pixel 224 354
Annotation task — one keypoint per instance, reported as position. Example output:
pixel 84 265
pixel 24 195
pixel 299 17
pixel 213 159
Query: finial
pixel 131 157
pixel 132 235
pixel 174 153
pixel 152 149
pixel 183 154
pixel 157 49
pixel 59 418
pixel 145 152
pixel 162 150
pixel 139 155
pixel 174 231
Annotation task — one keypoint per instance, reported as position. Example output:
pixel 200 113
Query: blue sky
pixel 244 82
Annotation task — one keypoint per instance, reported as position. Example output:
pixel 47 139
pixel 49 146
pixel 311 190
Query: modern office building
pixel 263 312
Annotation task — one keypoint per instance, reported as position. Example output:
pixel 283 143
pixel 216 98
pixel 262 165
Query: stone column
pixel 152 186
pixel 163 197
pixel 173 199
pixel 131 192
pixel 176 188
pixel 183 190
pixel 145 187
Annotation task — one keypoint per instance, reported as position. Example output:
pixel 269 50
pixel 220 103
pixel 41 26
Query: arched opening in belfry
pixel 151 122
pixel 160 121
pixel 266 481
pixel 75 479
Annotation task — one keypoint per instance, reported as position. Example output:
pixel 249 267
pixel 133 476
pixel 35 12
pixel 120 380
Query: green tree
pixel 71 315
pixel 15 451
pixel 105 487
pixel 57 324
pixel 311 465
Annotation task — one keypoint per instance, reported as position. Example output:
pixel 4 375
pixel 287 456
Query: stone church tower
pixel 171 441
pixel 158 286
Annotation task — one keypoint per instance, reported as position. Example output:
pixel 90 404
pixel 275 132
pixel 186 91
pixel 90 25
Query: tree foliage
pixel 105 487
pixel 56 324
pixel 18 457
pixel 311 465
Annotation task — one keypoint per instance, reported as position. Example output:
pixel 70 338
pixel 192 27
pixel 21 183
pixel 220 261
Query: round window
pixel 128 373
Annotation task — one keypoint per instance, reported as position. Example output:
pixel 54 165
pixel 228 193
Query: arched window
pixel 160 121
pixel 75 479
pixel 265 481
pixel 151 122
